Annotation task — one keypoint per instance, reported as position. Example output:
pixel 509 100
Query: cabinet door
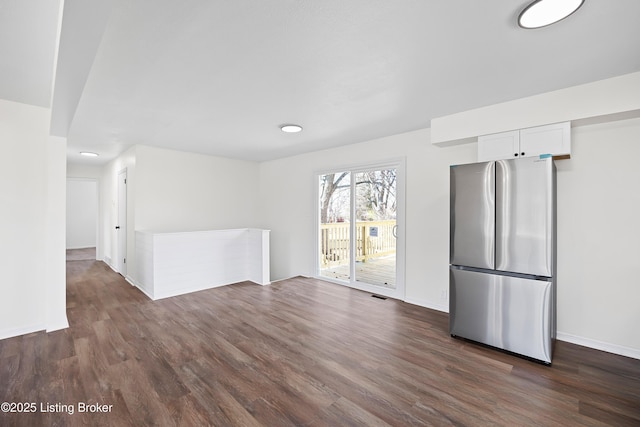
pixel 551 139
pixel 498 146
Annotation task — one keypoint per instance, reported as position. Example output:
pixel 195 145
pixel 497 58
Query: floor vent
pixel 379 296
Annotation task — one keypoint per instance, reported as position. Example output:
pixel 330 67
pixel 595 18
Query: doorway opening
pixel 359 228
pixel 82 219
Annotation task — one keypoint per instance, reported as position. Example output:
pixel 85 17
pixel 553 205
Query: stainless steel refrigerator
pixel 503 255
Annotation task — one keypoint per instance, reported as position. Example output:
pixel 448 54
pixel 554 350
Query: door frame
pixel 98 219
pixel 120 229
pixel 400 165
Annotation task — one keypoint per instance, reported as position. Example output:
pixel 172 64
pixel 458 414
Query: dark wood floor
pixel 84 254
pixel 297 352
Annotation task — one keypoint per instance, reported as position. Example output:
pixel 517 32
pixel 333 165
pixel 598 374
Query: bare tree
pixel 330 183
pixel 376 194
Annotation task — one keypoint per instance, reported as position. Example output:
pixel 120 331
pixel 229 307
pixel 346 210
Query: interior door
pixel 121 226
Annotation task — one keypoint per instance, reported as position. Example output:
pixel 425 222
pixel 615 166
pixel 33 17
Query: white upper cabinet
pixel 552 139
pixel 498 146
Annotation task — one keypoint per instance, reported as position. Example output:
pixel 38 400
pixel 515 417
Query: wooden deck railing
pixel 334 241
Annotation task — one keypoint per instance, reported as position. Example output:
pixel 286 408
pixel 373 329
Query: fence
pixel 374 239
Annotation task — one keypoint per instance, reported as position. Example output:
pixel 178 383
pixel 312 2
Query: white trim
pixel 599 345
pixel 24 330
pixel 561 336
pixel 360 286
pixel 62 323
pixel 110 266
pixel 182 291
pixel 140 288
pixel 293 277
pixel 428 304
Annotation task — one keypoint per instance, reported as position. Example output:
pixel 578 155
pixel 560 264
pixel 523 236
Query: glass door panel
pixel 335 229
pixel 375 227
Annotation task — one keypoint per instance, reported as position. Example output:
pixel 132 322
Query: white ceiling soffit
pixel 27 48
pixel 83 24
pixel 220 77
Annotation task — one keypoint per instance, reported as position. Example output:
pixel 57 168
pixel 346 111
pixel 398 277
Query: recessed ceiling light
pixel 88 154
pixel 541 13
pixel 291 128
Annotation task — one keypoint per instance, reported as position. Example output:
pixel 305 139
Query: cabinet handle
pixel 515 154
pixel 522 153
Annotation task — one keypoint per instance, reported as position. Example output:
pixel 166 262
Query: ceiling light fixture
pixel 88 154
pixel 291 128
pixel 541 13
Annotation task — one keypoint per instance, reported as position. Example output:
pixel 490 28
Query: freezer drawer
pixel 506 312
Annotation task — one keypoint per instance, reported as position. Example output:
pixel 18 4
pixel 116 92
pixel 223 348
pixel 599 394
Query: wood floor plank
pixel 297 352
pixel 346 413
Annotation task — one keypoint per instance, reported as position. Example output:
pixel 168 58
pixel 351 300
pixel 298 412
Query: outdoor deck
pixel 377 271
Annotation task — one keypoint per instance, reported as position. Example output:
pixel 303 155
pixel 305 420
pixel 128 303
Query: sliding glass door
pixel 376 227
pixel 358 228
pixel 335 225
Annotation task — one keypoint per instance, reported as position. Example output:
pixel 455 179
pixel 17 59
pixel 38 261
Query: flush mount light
pixel 541 13
pixel 291 128
pixel 88 154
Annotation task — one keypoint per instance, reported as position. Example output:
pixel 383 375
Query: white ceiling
pixel 219 77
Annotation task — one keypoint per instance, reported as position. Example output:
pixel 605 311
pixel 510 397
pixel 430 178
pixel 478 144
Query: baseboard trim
pixel 444 307
pixel 599 345
pixel 130 280
pixel 144 291
pixel 10 333
pixel 561 336
pixel 62 323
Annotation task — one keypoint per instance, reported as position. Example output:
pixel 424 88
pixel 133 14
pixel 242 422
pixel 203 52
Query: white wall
pixel 179 191
pixel 598 207
pixel 82 213
pixel 31 239
pixel 174 191
pixel 287 207
pixel 55 254
pixel 84 171
pixel 599 238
